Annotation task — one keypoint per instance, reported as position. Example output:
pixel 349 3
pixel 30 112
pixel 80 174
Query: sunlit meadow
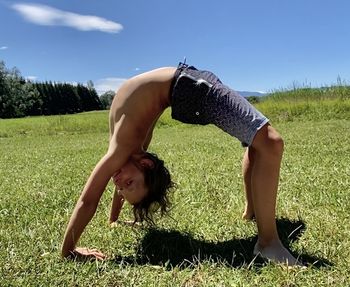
pixel 45 161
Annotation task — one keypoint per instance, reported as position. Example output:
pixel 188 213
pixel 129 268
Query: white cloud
pixel 3 48
pixel 48 16
pixel 31 78
pixel 108 84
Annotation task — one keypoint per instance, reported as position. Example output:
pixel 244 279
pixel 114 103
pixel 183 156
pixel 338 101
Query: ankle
pixel 267 242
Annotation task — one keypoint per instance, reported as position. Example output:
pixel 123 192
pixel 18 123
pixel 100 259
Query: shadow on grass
pixel 172 248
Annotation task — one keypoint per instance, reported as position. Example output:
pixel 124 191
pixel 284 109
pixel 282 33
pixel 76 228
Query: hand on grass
pixel 127 223
pixel 84 254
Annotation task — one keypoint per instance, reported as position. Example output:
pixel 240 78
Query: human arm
pixel 148 137
pixel 125 141
pixel 117 205
pixel 88 201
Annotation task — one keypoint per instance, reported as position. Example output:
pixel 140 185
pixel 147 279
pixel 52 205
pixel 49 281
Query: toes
pixel 248 216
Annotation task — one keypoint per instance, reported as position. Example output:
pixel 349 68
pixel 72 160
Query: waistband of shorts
pixel 181 67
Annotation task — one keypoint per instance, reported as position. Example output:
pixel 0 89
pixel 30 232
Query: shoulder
pixel 127 136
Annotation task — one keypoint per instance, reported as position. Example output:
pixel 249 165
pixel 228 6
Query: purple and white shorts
pixel 199 97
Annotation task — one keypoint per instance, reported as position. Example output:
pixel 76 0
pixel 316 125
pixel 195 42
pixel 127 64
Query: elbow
pixel 86 203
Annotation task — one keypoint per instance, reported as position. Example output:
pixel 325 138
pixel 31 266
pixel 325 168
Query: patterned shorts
pixel 199 97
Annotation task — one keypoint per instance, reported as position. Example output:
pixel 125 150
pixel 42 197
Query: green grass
pixel 300 104
pixel 89 122
pixel 45 162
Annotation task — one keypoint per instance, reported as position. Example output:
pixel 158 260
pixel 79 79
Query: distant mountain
pixel 249 94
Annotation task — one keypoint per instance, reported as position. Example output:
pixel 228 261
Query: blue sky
pixel 255 45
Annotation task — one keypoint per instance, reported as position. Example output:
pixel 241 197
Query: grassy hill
pixel 307 104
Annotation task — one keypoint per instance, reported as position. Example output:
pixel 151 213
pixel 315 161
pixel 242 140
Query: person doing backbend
pixel 141 179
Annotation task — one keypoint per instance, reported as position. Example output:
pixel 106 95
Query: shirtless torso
pixel 139 103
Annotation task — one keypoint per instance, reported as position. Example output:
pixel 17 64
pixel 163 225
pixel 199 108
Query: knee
pixel 275 144
pixel 269 141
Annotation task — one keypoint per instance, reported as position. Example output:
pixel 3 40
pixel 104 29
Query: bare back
pixel 139 103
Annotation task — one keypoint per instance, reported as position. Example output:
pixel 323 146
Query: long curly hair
pixel 159 183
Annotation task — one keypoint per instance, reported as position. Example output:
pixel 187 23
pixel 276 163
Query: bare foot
pixel 248 214
pixel 276 253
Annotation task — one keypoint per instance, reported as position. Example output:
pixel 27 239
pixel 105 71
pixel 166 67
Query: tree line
pixel 20 97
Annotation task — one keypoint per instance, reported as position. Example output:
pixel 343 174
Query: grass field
pixel 45 161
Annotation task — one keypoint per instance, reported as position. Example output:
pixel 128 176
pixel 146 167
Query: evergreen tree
pixel 19 97
pixel 3 88
pixel 89 97
pixel 106 99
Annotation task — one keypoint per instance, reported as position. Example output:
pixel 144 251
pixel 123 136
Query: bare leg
pixel 247 165
pixel 268 149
